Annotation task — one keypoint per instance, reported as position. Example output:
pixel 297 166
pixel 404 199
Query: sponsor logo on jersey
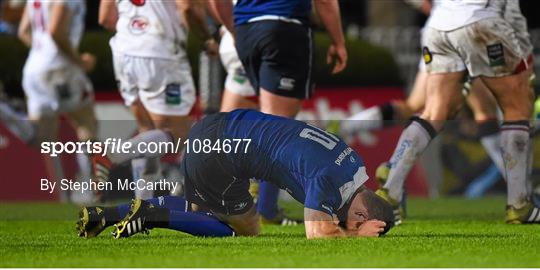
pixel 138 25
pixel 286 83
pixel 343 155
pixel 495 54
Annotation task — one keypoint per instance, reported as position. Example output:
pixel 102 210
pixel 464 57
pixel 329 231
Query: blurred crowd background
pixel 384 50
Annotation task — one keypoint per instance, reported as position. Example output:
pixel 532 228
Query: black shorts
pixel 277 56
pixel 209 178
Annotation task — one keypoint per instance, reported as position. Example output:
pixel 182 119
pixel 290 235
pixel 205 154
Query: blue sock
pixel 174 212
pixel 267 201
pixel 198 224
pixel 170 202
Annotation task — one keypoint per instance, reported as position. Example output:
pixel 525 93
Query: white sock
pixel 413 141
pixel 492 145
pixel 16 123
pixel 58 171
pixel 490 138
pixel 515 143
pixel 85 166
pixel 156 136
pixel 148 169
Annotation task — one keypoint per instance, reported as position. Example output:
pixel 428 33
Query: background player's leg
pixel 283 106
pixel 267 200
pixel 484 107
pixel 18 124
pixel 377 117
pixel 443 97
pixel 515 99
pixel 83 120
pixel 232 101
pixel 144 168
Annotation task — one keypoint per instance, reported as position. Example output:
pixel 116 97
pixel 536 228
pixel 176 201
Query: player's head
pixel 364 205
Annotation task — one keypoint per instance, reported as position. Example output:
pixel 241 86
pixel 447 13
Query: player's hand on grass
pixel 88 61
pixel 371 228
pixel 337 55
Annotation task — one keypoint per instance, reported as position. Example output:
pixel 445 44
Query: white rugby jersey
pixel 448 15
pixel 149 28
pixel 44 54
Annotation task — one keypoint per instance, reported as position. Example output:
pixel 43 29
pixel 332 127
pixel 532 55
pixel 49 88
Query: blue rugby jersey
pixel 245 10
pixel 317 168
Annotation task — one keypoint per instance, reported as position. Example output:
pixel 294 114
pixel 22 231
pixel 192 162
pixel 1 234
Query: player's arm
pixel 25 29
pixel 329 14
pixel 108 14
pixel 194 16
pixel 61 18
pixel 322 225
pixel 223 11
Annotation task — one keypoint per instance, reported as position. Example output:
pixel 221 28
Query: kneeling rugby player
pixel 317 168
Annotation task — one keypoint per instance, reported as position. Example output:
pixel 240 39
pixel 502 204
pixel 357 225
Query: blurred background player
pixel 275 45
pixel 460 36
pixel 239 94
pixel 54 79
pixel 478 98
pixel 153 74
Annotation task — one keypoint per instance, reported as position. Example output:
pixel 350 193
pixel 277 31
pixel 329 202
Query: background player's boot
pixel 91 221
pixel 381 175
pixel 529 213
pixel 135 221
pixel 398 210
pixel 280 219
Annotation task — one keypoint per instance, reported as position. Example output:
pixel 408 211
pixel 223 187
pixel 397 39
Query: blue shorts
pixel 277 56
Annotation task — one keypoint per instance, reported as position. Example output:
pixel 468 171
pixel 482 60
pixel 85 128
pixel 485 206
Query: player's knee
pixel 248 231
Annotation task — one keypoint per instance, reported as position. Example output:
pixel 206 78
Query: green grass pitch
pixel 441 233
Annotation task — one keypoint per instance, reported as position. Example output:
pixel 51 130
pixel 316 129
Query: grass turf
pixel 449 232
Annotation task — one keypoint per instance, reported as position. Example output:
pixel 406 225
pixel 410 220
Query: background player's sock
pixel 194 223
pixel 490 137
pixel 85 166
pixel 369 119
pixel 16 123
pixel 413 141
pixel 148 169
pixel 515 143
pixel 114 214
pixel 267 202
pixel 155 136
